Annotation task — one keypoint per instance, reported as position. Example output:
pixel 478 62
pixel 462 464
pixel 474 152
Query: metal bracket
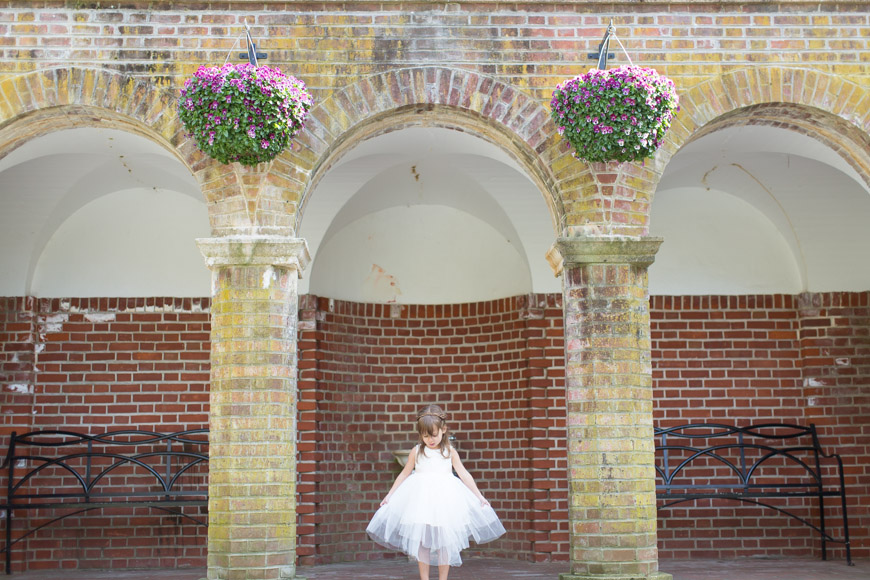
pixel 252 55
pixel 602 55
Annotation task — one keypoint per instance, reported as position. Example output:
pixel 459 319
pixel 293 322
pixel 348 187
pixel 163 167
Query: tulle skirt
pixel 431 517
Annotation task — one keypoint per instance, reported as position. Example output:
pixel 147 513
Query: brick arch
pixel 41 102
pixel 431 96
pixel 821 105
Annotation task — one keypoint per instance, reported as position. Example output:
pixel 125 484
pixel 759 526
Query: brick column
pixel 252 472
pixel 612 508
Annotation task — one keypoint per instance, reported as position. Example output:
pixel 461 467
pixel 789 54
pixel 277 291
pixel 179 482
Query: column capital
pixel 245 250
pixel 580 251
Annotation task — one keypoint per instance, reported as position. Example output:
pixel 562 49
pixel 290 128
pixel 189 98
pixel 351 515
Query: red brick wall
pixel 108 364
pixel 497 368
pixel 800 359
pixel 112 363
pixel 17 363
pixel 545 332
pixel 835 349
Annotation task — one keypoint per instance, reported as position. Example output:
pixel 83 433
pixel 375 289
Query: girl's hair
pixel 431 420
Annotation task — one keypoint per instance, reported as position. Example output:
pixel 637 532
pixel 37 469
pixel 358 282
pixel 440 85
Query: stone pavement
pixel 497 569
pixel 765 569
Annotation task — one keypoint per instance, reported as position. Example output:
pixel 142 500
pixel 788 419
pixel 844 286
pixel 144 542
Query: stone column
pixel 611 477
pixel 252 471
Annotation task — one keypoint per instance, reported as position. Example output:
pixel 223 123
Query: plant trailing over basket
pixel 242 112
pixel 620 114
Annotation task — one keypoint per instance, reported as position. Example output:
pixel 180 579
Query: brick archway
pixel 431 96
pixel 41 102
pixel 823 106
pixel 49 100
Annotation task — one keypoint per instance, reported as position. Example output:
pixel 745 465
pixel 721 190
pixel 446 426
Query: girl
pixel 429 514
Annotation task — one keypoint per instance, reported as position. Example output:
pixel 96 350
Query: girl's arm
pixel 406 471
pixel 466 477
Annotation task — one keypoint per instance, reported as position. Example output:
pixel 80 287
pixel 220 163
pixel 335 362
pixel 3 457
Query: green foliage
pixel 620 114
pixel 243 113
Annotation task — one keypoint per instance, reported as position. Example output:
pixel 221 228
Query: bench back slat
pixel 109 465
pixel 769 460
pixel 744 452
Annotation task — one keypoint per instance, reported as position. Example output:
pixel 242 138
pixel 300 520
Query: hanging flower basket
pixel 242 112
pixel 621 114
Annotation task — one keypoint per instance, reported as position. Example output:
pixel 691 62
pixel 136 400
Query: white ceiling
pixel 49 179
pixel 814 206
pixel 429 167
pixel 750 209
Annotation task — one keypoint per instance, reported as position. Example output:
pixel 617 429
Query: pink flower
pixel 242 98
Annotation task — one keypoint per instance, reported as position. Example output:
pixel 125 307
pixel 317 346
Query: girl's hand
pixel 484 503
pixel 385 501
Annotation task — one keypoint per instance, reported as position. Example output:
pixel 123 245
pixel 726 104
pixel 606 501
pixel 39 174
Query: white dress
pixel 432 514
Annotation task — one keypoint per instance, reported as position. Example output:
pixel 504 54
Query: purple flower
pixel 611 102
pixel 242 99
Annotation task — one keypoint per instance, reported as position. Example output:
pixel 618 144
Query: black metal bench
pixel 752 464
pixel 74 473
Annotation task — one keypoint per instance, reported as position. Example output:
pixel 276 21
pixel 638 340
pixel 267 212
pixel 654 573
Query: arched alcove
pixel 427 215
pixel 752 209
pixel 428 281
pixel 100 212
pixel 104 299
pixel 758 293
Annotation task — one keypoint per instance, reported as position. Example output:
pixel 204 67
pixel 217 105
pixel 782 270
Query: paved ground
pixel 492 569
pixel 765 569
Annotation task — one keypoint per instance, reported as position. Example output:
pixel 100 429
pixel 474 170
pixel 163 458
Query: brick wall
pixel 487 67
pixel 103 364
pixel 726 357
pixel 801 359
pixel 106 364
pixel 496 367
pixel 113 363
pixel 527 43
pixel 736 359
pixel 545 347
pixel 17 363
pixel 835 350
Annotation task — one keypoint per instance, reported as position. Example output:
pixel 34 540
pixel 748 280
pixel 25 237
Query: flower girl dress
pixel 432 514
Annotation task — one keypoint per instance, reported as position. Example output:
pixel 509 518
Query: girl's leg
pixel 424 569
pixel 443 571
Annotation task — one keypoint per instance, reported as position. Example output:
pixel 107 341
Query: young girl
pixel 429 514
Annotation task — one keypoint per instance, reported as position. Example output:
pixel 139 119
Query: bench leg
pixel 8 541
pixel 824 531
pixel 846 533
